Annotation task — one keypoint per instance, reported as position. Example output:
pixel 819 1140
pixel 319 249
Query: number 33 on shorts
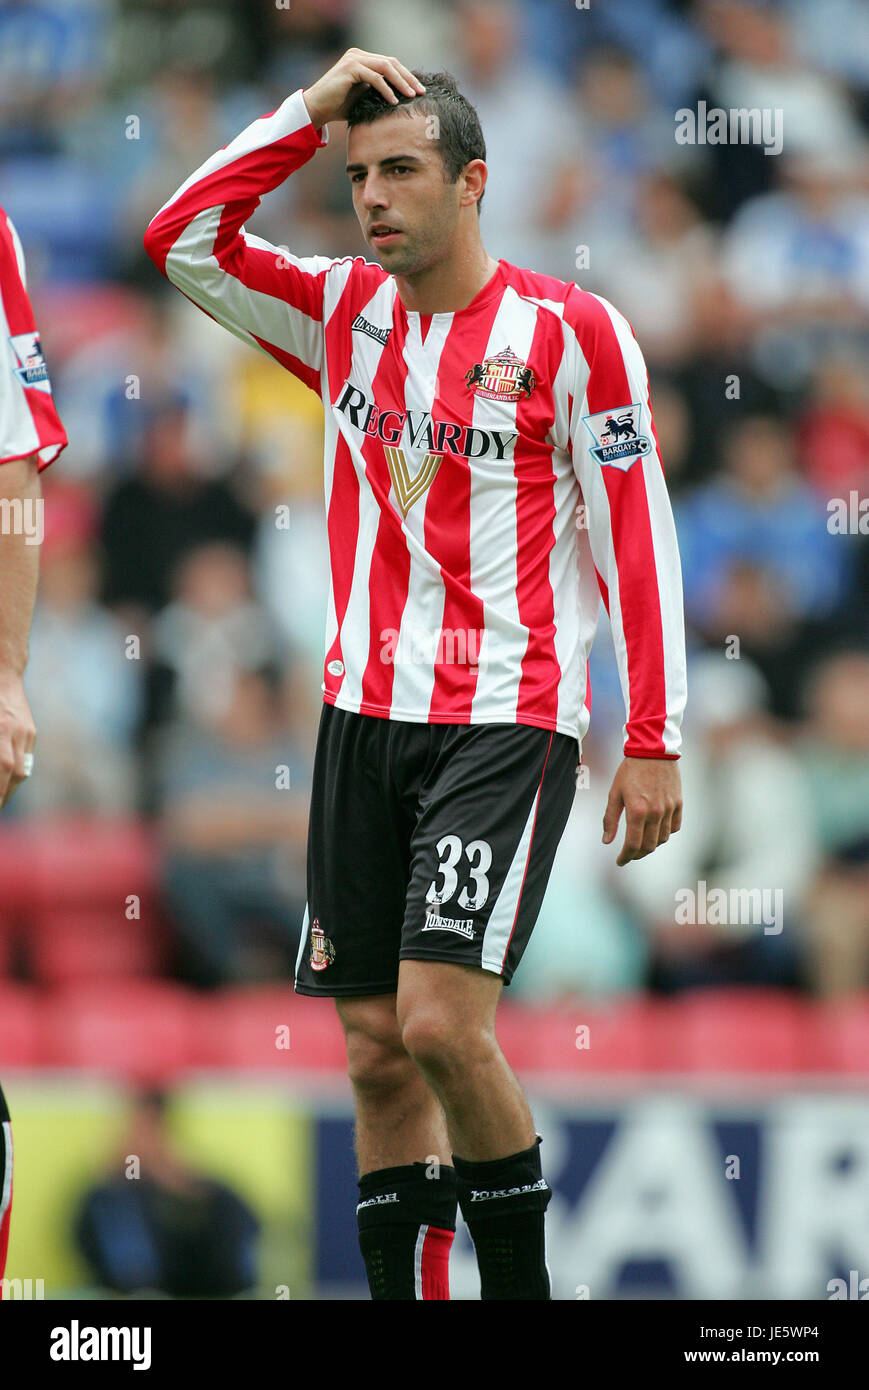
pixel 479 854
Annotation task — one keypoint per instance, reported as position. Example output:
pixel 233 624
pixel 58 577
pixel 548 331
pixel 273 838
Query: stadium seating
pixel 86 943
pixel 96 1000
pixel 143 1030
pixel 154 1029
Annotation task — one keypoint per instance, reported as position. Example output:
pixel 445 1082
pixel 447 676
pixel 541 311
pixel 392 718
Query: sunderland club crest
pixel 504 377
pixel 322 950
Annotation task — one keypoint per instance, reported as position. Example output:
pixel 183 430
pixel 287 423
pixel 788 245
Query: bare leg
pixel 447 1018
pixel 431 1081
pixel 398 1119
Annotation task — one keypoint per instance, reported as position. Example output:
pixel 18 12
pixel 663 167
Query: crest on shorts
pixel 504 377
pixel 322 950
pixel 619 436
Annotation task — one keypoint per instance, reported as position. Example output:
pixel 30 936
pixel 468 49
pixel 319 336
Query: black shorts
pixel 427 842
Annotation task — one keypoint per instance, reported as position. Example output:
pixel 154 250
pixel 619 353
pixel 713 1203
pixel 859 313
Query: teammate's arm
pixel 19 571
pixel 31 437
pixel 262 293
pixel 633 543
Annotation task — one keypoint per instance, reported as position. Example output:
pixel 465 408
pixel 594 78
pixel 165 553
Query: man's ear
pixel 475 175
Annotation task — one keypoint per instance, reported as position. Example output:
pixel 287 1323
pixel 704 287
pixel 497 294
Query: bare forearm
pixel 20 489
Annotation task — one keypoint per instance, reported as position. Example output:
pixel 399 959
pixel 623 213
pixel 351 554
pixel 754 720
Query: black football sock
pixel 504 1202
pixel 406 1226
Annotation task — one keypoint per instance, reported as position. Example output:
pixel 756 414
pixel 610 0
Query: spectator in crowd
pixel 750 829
pixel 234 825
pixel 291 554
pixel 84 683
pixel 521 108
pixel 663 38
pixel 212 629
pixel 834 38
pixel 673 427
pixel 586 943
pixel 659 267
pixel 757 67
pixel 760 566
pixel 108 410
pixel 157 1225
pixel 760 511
pixel 797 261
pixel 835 755
pixel 833 426
pixel 622 128
pixel 153 518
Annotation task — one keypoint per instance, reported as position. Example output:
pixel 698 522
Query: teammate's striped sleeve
pixel 617 461
pixel 262 293
pixel 29 422
pixel 6 1183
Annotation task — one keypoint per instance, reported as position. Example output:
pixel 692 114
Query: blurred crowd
pixel 177 644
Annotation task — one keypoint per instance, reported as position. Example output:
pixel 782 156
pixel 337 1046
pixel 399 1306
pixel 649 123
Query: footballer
pixel 491 472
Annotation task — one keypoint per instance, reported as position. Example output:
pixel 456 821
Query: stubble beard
pixel 420 250
pixel 408 257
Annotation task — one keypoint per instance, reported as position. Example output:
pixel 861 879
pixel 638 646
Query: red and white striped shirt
pixel 29 422
pixel 489 473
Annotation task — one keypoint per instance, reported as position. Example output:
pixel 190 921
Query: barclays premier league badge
pixel 618 436
pixel 29 365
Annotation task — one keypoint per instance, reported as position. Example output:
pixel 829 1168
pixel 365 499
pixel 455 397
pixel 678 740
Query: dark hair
pixel 460 138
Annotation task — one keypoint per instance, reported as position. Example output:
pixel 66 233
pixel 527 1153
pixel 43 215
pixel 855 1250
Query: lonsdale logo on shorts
pixel 322 950
pixel 434 922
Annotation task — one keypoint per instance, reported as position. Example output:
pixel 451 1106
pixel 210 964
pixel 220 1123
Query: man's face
pixel 397 178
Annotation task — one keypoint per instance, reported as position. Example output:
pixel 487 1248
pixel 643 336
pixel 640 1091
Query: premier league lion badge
pixel 619 437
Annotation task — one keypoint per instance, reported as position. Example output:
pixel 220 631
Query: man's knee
pixel 446 1015
pixel 440 1042
pixel 377 1061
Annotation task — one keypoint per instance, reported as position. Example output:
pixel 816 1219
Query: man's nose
pixel 374 193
